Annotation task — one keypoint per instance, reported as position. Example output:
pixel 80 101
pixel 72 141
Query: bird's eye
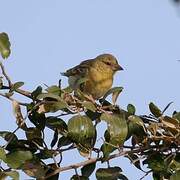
pixel 108 63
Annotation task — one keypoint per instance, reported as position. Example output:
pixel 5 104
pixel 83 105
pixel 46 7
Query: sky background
pixel 49 37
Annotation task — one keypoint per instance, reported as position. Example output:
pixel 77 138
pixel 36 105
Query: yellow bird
pixel 98 74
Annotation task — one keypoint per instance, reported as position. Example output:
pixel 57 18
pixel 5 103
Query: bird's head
pixel 109 61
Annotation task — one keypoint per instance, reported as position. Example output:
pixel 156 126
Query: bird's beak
pixel 117 67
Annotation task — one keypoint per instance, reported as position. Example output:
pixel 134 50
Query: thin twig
pixel 5 74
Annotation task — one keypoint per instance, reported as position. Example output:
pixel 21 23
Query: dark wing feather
pixel 80 69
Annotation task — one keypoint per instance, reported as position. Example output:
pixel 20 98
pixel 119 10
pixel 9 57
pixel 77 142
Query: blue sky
pixel 49 37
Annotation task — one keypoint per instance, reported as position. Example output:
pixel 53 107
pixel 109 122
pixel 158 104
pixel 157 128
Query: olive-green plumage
pixel 98 72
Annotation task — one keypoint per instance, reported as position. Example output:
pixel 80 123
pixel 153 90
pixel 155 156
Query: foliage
pixel 153 140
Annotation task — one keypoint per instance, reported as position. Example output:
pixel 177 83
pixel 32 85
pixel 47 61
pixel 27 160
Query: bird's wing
pixel 80 69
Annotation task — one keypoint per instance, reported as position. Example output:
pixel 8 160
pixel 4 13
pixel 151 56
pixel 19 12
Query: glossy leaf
pixel 17 158
pixel 13 174
pixel 82 132
pixel 115 91
pixel 155 110
pixel 49 95
pixel 64 141
pixel 55 138
pixel 111 173
pixel 131 109
pixel 89 105
pixel 36 92
pixel 34 169
pixel 117 129
pixel 16 86
pixel 56 123
pixel 4 45
pixel 87 170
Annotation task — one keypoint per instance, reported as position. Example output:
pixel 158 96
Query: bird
pixel 97 73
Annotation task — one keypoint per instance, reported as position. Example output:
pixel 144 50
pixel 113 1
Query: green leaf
pixel 89 105
pixel 111 173
pixel 16 86
pixel 87 170
pixel 135 126
pixel 35 135
pixel 17 158
pixel 115 91
pixel 53 106
pixel 45 154
pixel 13 174
pixel 131 109
pixel 54 90
pixel 49 95
pixel 56 123
pixel 38 119
pixel 4 45
pixel 35 169
pixel 117 129
pixel 55 138
pixel 2 154
pixel 36 92
pixel 8 136
pixel 82 132
pixel 155 110
pixel 64 141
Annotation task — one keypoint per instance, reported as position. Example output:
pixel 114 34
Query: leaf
pixel 2 154
pixel 56 123
pixel 4 45
pixel 36 92
pixel 8 136
pixel 35 135
pixel 115 91
pixel 13 174
pixel 131 109
pixel 52 106
pixel 38 119
pixel 155 110
pixel 34 169
pixel 49 95
pixel 64 141
pixel 54 90
pixel 45 154
pixel 166 107
pixel 82 132
pixel 87 170
pixel 117 129
pixel 51 169
pixel 111 173
pixel 89 105
pixel 55 139
pixel 17 158
pixel 16 86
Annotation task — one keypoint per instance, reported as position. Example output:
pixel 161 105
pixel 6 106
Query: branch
pixel 5 75
pixel 93 160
